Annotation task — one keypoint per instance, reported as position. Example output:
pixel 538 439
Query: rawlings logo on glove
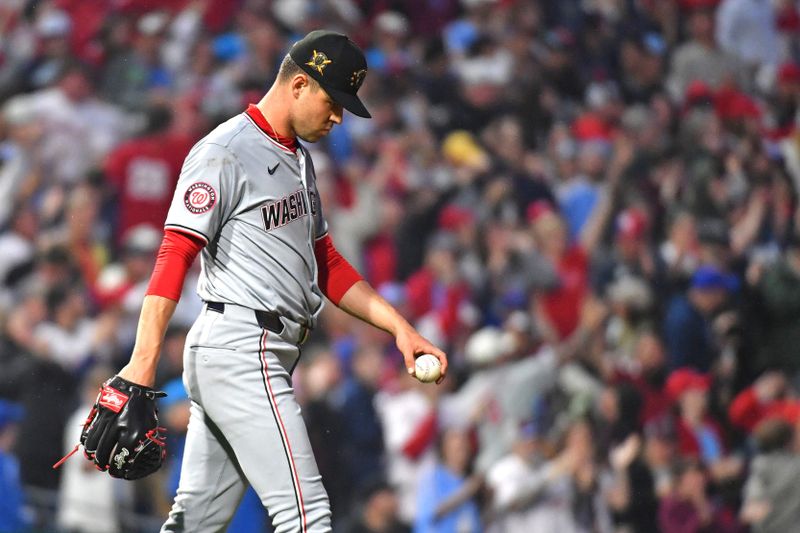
pixel 113 399
pixel 124 418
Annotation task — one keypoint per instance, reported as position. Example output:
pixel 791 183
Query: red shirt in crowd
pixel 656 403
pixel 145 172
pixel 427 294
pixel 380 260
pixel 563 304
pixel 747 411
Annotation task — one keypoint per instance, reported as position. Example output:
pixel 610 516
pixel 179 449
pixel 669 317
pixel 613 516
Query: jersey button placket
pixel 304 183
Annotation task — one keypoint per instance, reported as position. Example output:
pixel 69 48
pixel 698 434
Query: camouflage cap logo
pixel 319 61
pixel 358 78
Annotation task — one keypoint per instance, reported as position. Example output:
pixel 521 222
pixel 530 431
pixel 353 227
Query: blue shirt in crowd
pixel 435 489
pixel 688 336
pixel 11 515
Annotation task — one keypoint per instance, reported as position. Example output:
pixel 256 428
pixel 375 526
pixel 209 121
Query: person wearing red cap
pixel 697 92
pixel 699 435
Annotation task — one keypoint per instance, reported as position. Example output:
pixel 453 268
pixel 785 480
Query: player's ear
pixel 298 83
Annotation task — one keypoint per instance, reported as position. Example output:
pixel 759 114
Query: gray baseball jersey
pixel 256 205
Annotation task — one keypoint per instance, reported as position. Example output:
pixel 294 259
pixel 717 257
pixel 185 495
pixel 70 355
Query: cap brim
pixel 349 102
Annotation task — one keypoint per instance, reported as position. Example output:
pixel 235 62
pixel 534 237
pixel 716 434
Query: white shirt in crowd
pixel 90 501
pixel 401 415
pixel 746 29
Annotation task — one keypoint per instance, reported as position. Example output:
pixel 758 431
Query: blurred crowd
pixel 592 205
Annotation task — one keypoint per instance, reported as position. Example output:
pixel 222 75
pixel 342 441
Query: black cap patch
pixel 358 78
pixel 319 61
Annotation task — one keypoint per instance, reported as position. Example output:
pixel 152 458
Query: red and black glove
pixel 121 434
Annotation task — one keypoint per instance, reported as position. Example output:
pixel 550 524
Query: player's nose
pixel 336 114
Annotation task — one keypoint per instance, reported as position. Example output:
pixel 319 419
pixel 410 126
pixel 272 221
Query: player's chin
pixel 315 136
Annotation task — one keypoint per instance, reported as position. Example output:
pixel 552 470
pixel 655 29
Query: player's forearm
pixel 364 303
pixel 156 314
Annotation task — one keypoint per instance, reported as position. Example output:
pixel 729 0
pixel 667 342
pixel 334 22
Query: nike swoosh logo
pixel 273 169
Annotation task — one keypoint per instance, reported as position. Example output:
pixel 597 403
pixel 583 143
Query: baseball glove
pixel 121 434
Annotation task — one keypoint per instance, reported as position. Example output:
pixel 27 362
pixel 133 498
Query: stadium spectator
pixel 766 398
pixel 688 321
pixel 89 500
pixel 319 379
pixel 700 58
pixel 19 246
pixel 445 496
pixel 376 510
pixel 771 499
pixel 70 110
pixel 364 454
pixel 510 480
pixel 690 509
pixel 51 51
pixel 12 516
pixel 19 173
pixel 778 288
pixel 571 490
pixel 143 173
pixel 409 419
pixel 70 337
pixel 747 29
pixel 136 73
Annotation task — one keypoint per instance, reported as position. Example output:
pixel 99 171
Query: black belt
pixel 268 320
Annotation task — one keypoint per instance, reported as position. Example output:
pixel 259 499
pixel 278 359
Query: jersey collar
pixel 286 143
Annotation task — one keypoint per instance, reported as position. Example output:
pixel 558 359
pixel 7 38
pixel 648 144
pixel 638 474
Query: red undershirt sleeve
pixel 175 256
pixel 335 275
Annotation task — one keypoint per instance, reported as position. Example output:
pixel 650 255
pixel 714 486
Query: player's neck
pixel 276 113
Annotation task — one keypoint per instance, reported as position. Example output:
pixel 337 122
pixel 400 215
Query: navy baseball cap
pixel 709 277
pixel 336 63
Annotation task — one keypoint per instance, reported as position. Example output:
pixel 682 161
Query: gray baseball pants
pixel 245 427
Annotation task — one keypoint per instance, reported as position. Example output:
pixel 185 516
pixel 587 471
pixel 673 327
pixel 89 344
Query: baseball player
pixel 247 202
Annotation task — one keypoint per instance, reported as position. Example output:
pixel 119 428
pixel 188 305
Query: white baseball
pixel 427 368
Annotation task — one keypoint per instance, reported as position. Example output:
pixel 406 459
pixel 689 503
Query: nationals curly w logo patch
pixel 200 197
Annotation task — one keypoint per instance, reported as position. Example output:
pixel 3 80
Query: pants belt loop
pixel 304 332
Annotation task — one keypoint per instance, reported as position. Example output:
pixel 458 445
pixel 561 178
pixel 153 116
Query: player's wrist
pixel 138 374
pixel 400 326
